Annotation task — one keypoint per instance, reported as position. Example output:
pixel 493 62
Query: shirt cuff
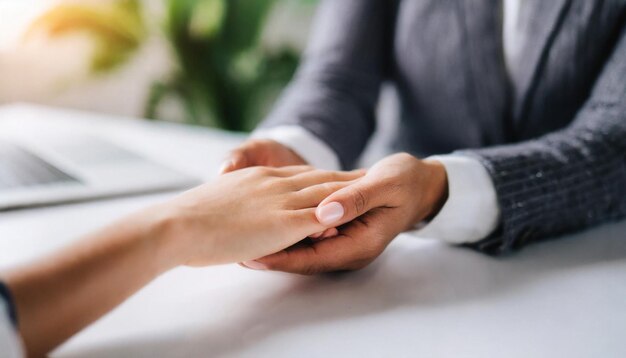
pixel 471 212
pixel 310 148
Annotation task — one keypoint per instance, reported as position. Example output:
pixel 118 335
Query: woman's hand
pixel 247 214
pixel 240 216
pixel 395 194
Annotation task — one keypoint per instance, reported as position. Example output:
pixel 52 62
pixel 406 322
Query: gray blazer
pixel 552 135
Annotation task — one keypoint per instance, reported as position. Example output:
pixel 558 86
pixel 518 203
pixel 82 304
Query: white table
pixel 564 298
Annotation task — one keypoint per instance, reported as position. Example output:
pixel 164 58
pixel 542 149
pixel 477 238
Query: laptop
pixel 67 169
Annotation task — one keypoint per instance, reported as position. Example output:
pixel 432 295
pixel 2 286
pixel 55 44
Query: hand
pixel 260 152
pixel 247 214
pixel 269 153
pixel 396 193
pixel 240 216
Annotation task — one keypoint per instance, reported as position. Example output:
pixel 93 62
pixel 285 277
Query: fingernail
pixel 255 265
pixel 227 164
pixel 329 213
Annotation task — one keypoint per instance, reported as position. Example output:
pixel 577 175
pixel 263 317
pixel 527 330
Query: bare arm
pixel 212 224
pixel 62 294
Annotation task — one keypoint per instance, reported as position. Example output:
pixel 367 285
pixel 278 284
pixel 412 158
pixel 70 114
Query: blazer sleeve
pixel 567 180
pixel 336 88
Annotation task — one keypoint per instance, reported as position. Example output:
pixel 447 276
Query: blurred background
pixel 217 63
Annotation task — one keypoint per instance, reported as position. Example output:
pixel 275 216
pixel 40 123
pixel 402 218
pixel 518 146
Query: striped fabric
pixel 552 134
pixel 569 179
pixel 565 181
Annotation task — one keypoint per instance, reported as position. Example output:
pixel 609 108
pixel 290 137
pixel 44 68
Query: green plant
pixel 225 77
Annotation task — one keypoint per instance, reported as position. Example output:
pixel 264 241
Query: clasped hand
pixel 362 216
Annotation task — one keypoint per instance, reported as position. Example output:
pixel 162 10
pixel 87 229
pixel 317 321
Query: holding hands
pixel 247 214
pixel 240 216
pixel 394 195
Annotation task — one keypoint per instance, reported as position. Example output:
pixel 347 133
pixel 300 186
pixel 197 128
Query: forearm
pixel 215 223
pixel 336 89
pixel 67 291
pixel 563 182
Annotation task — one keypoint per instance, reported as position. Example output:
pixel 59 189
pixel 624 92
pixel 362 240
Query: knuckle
pixel 404 156
pixel 299 218
pixel 290 185
pixel 283 183
pixel 335 176
pixel 393 186
pixel 327 188
pixel 359 200
pixel 262 171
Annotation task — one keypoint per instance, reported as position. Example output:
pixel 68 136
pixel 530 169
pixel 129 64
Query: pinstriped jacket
pixel 551 130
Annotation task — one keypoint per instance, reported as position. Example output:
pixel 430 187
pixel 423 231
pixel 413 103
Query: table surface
pixel 565 297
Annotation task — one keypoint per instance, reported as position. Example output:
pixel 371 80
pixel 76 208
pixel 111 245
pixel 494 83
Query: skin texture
pixel 396 194
pixel 213 224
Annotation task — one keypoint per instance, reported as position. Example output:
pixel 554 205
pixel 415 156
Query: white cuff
pixel 312 149
pixel 471 212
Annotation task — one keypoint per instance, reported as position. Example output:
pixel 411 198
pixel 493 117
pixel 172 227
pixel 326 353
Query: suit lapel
pixel 540 21
pixel 482 20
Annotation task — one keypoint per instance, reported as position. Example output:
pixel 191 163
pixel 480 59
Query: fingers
pixel 314 177
pixel 324 234
pixel 337 254
pixel 328 233
pixel 350 202
pixel 292 171
pixel 249 154
pixel 358 244
pixel 237 159
pixel 303 222
pixel 311 197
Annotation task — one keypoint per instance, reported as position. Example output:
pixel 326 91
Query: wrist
pixel 160 228
pixel 437 193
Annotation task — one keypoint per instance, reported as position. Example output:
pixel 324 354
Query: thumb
pixel 349 203
pixel 235 161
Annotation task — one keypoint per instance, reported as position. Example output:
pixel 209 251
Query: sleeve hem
pixel 471 212
pixel 312 149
